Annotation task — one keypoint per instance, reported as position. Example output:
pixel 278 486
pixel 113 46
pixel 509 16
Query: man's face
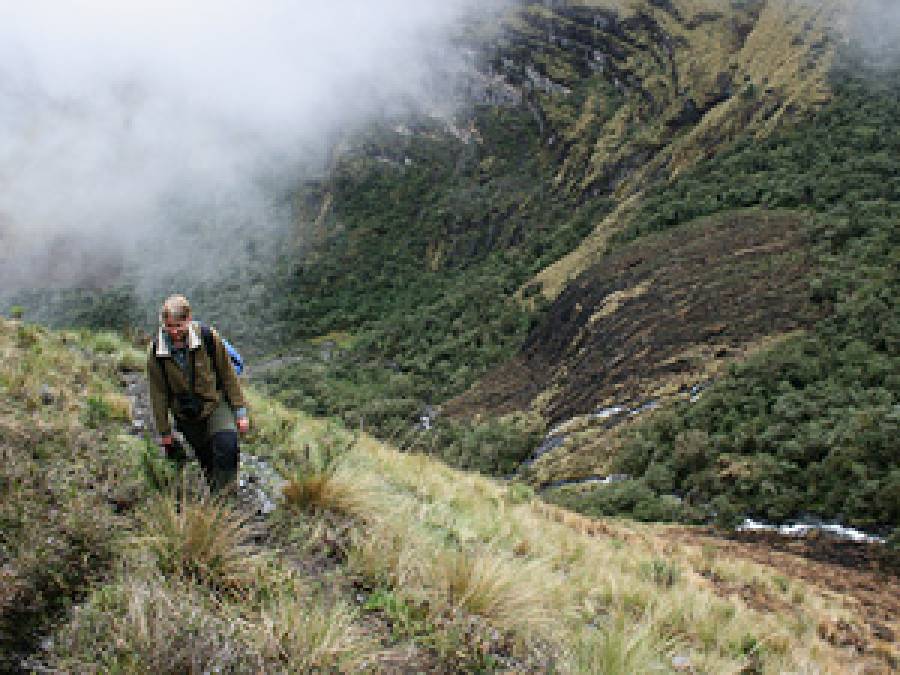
pixel 177 329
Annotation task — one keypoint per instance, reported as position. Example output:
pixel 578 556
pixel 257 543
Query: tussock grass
pixel 619 648
pixel 455 542
pixel 194 536
pixel 309 634
pixel 319 480
pixel 148 625
pixel 490 585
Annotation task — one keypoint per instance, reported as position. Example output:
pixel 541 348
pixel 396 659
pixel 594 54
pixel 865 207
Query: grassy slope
pixel 476 574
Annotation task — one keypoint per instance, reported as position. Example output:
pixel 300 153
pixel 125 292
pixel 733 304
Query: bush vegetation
pixel 422 268
pixel 811 426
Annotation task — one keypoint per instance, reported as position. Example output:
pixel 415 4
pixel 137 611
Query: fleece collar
pixel 193 341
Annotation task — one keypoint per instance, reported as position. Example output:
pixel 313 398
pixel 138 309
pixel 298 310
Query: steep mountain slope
pixel 374 560
pixel 783 434
pixel 615 123
pixel 422 233
pixel 658 316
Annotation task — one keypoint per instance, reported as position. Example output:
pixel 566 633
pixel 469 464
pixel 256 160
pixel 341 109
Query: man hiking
pixel 190 373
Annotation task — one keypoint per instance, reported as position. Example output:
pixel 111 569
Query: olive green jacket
pixel 204 378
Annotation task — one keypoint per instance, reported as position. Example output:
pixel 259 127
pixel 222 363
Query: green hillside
pixel 809 426
pixel 374 561
pixel 423 240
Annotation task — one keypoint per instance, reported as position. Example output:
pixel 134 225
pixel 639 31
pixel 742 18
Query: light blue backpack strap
pixel 236 359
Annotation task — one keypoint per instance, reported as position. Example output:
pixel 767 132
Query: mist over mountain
pixel 129 129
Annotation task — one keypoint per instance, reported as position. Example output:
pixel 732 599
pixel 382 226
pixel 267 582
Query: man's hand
pixel 243 424
pixel 173 449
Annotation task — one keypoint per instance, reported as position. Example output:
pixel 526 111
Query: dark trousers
pixel 218 453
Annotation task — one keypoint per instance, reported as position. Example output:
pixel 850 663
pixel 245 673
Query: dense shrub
pixel 811 426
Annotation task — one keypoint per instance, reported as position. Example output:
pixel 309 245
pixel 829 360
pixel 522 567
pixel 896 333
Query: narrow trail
pixel 321 558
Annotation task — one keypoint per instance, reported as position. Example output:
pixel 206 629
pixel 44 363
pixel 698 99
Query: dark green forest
pixel 812 426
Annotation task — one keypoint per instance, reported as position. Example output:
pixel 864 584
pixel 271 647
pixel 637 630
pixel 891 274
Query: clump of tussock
pixel 309 634
pixel 619 648
pixel 194 536
pixel 491 585
pixel 381 556
pixel 321 480
pixel 145 624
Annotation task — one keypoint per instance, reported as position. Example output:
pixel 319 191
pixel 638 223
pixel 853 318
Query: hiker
pixel 191 373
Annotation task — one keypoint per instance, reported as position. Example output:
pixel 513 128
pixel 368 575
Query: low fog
pixel 127 129
pixel 874 27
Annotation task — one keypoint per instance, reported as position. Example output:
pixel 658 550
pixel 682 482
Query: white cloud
pixel 123 118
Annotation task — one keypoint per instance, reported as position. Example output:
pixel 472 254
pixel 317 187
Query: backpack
pixel 236 361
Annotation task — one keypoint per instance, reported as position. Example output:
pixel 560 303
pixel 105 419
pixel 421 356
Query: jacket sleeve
pixel 230 383
pixel 159 397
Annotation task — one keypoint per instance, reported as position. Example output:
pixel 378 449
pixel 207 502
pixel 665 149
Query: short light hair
pixel 175 307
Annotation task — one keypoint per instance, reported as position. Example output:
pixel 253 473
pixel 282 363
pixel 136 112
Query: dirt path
pixel 321 561
pixel 865 577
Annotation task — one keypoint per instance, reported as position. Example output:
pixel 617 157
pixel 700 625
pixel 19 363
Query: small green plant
pixel 782 583
pixel 16 312
pixel 106 342
pixel 407 619
pixel 519 493
pixel 159 474
pixel 97 412
pixel 662 572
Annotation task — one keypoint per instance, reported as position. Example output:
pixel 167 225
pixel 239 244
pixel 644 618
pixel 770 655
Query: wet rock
pixel 46 394
pixel 427 418
pixel 260 484
pixel 606 413
pixel 681 663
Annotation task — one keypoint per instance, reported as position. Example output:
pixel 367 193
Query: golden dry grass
pixel 600 595
pixel 308 634
pixel 202 539
pixel 449 540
